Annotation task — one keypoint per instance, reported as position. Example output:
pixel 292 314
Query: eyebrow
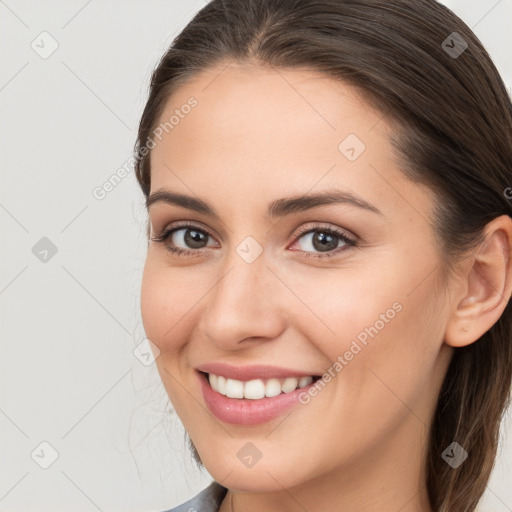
pixel 278 208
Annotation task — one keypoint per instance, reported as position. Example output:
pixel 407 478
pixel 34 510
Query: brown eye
pixel 320 242
pixel 191 238
pixel 184 240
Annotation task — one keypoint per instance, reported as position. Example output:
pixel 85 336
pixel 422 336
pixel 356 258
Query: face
pixel 346 288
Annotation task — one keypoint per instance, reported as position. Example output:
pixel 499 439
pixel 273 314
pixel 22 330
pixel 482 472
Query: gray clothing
pixel 208 500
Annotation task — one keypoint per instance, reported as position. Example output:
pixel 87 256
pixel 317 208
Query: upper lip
pixel 250 372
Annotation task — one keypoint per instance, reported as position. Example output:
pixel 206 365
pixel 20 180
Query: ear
pixel 485 286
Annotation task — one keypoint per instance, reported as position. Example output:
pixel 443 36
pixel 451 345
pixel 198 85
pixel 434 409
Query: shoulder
pixel 208 500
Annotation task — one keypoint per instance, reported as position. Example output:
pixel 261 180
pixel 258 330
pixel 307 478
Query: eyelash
pixel 178 251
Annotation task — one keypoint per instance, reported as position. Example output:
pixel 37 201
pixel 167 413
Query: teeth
pixel 272 388
pixel 234 388
pixel 290 384
pixel 305 381
pixel 256 388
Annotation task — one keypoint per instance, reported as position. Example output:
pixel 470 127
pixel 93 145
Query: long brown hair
pixel 423 67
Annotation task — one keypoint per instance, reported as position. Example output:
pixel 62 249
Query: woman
pixel 328 272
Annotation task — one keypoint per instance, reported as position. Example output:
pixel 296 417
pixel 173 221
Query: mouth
pixel 250 405
pixel 256 389
pixel 252 394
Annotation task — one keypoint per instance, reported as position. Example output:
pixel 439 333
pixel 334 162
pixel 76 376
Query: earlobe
pixel 486 286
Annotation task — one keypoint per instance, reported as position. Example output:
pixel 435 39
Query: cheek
pixel 393 373
pixel 170 298
pixel 164 304
pixel 160 303
pixel 374 325
pixel 342 305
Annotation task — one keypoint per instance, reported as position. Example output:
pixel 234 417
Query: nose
pixel 247 304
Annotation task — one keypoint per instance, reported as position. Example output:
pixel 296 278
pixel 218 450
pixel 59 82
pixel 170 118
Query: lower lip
pixel 243 411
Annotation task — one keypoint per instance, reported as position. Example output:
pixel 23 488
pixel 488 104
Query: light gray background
pixel 70 325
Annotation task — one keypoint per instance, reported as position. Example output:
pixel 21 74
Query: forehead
pixel 273 132
pixel 262 102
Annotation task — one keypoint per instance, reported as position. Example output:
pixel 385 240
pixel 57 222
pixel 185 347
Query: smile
pixel 251 405
pixel 257 388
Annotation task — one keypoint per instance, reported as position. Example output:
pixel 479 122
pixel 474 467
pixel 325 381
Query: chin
pixel 261 477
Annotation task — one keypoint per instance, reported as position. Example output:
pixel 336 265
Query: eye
pixel 324 239
pixel 184 240
pixel 189 240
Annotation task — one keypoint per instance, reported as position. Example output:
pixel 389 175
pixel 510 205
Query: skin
pixel 257 135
